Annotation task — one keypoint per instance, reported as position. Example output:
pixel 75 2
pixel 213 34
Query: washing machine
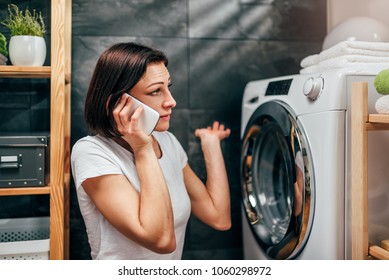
pixel 295 167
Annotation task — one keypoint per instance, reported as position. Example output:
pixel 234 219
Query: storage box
pixel 25 238
pixel 24 160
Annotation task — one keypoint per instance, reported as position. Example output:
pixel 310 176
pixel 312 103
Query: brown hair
pixel 117 71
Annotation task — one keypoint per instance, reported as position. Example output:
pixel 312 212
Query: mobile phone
pixel 148 119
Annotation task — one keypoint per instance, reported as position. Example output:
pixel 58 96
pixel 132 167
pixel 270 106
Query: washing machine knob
pixel 313 87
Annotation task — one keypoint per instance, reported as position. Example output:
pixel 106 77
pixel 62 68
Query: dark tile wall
pixel 215 47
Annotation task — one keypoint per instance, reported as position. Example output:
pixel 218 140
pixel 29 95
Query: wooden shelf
pixel 377 122
pixel 24 191
pixel 378 118
pixel 9 71
pixel 59 73
pixel 361 123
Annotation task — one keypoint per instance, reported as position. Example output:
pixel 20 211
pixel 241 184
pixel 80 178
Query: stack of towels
pixel 357 55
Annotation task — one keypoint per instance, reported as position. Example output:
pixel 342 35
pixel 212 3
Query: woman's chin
pixel 161 127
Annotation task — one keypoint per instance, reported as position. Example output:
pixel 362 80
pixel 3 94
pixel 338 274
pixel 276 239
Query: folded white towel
pixel 374 49
pixel 347 66
pixel 345 59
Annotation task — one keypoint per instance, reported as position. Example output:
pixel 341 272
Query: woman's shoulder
pixel 90 143
pixel 86 141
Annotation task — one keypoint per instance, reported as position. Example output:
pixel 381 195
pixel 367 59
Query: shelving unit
pixel 361 123
pixel 59 74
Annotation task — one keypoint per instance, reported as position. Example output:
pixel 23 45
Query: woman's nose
pixel 170 101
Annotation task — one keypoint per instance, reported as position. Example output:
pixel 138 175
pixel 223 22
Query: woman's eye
pixel 155 92
pixel 158 91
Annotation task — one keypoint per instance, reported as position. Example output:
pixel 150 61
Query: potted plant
pixel 27 46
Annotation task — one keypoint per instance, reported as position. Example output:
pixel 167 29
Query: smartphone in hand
pixel 148 119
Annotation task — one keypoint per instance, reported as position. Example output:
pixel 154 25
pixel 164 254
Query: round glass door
pixel 277 181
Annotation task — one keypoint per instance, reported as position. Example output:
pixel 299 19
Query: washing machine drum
pixel 277 181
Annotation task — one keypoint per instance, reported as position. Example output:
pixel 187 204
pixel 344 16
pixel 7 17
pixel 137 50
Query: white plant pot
pixel 27 50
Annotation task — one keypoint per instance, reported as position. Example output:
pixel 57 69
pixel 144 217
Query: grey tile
pixel 130 18
pixel 220 69
pixel 180 126
pixel 15 120
pixel 25 105
pixel 40 120
pixel 17 100
pixel 279 20
pixel 40 109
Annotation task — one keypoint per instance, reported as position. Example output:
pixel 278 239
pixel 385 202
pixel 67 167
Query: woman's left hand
pixel 215 132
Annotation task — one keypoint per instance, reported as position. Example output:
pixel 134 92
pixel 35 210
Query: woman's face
pixel 153 90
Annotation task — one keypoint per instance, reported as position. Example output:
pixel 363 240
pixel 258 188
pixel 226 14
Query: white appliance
pixel 295 167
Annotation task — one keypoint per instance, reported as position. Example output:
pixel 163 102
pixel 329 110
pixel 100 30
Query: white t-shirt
pixel 94 156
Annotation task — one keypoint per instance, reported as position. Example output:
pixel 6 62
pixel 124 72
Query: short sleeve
pixel 89 160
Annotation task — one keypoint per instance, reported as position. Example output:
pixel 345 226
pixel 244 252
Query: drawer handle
pixel 8 162
pixel 9 165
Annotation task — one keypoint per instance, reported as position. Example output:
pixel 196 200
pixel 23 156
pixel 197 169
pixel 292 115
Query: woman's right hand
pixel 127 124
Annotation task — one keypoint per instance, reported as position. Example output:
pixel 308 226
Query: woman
pixel 136 191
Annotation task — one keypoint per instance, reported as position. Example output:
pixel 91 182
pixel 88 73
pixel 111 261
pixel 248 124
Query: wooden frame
pixel 361 123
pixel 59 128
pixel 60 89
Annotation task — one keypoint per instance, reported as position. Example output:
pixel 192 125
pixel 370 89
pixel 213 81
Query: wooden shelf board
pixel 377 126
pixel 378 118
pixel 24 191
pixel 9 71
pixel 377 122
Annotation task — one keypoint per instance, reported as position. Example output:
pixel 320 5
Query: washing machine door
pixel 277 181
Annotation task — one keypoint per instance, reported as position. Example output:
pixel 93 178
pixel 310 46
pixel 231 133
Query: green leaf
pixel 24 24
pixel 3 45
pixel 3 51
